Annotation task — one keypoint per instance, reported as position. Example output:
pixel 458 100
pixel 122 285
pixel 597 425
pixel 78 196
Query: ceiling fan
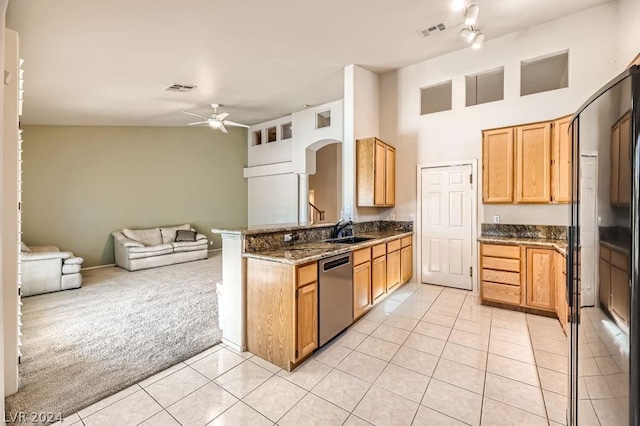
pixel 216 121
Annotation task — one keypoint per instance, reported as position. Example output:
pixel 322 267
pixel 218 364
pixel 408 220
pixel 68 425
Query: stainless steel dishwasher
pixel 335 297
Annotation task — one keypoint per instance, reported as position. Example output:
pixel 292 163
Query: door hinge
pixel 297 293
pixel 471 179
pixel 20 206
pixel 470 271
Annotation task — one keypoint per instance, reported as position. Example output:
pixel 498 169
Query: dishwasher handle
pixel 336 263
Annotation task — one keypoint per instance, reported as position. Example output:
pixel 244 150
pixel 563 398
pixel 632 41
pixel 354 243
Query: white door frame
pixel 596 278
pixel 474 215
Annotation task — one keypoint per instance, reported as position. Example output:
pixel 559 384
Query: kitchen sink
pixel 348 240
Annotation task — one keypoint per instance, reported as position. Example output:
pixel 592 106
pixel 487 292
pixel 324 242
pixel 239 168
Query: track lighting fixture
pixel 471 15
pixel 467 35
pixel 470 34
pixel 478 40
pixel 457 5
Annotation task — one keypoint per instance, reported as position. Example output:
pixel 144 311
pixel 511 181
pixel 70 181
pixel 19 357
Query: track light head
pixel 471 15
pixel 478 40
pixel 467 35
pixel 457 5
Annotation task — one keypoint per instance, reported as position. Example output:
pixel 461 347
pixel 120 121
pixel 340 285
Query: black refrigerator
pixel 603 286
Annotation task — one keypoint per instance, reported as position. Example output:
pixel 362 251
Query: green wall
pixel 81 183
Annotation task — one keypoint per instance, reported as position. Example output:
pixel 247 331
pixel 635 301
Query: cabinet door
pixel 605 284
pixel 624 177
pixel 378 277
pixel 361 289
pixel 390 177
pixel 562 307
pixel 615 163
pixel 406 264
pixel 620 293
pixel 540 278
pixel 307 320
pixel 393 269
pixel 533 163
pixel 497 166
pixel 380 160
pixel 561 161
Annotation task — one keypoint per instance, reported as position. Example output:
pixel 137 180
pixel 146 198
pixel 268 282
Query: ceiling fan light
pixel 467 35
pixel 457 5
pixel 479 39
pixel 215 124
pixel 471 15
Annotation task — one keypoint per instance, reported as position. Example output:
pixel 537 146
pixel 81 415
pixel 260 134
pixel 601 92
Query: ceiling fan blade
pixel 224 129
pixel 222 116
pixel 234 124
pixel 197 122
pixel 196 115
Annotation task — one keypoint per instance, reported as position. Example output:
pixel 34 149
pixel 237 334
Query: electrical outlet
pixel 412 217
pixel 211 243
pixel 496 218
pixel 392 216
pixel 288 238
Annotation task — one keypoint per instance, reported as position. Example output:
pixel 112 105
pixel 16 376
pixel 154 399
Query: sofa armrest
pixel 200 237
pixel 119 238
pixel 30 257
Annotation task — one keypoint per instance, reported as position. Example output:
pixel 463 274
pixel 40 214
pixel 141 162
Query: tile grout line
pixel 484 387
pixel 535 360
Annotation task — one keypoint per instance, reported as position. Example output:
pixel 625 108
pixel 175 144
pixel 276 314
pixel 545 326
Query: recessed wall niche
pixel 323 119
pixel 487 86
pixel 435 98
pixel 257 138
pixel 550 72
pixel 286 131
pixel 272 134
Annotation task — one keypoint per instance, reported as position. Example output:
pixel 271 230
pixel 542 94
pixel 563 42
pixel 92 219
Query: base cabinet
pixel 393 269
pixel 620 293
pixel 540 278
pixel 614 292
pixel 605 284
pixel 361 289
pixel 306 320
pixel 378 277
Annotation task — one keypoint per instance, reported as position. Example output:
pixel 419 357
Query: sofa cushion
pixel 148 237
pixel 182 236
pixel 71 269
pixel 169 234
pixel 151 249
pixel 183 246
pixel 151 253
pixel 74 261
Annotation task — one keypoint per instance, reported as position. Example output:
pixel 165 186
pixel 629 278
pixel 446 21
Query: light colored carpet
pixel 83 345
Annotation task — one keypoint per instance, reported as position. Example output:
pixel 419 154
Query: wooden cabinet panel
pixel 378 277
pixel 307 274
pixel 307 319
pixel 540 289
pixel 562 307
pixel 393 245
pixel 502 277
pixel 605 253
pixel 390 177
pixel 361 256
pixel 615 164
pixel 500 264
pixel 497 250
pixel 501 293
pixel 497 166
pixel 620 293
pixel 361 289
pixel 393 269
pixel 624 180
pixel 605 284
pixel 406 264
pixel 619 260
pixel 379 250
pixel 406 241
pixel 379 174
pixel 561 161
pixel 533 163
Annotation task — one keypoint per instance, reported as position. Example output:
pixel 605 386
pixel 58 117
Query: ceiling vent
pixel 180 88
pixel 433 29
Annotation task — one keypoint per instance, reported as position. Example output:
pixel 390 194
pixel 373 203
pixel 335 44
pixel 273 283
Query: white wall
pixel 628 30
pixel 456 134
pixel 273 199
pixel 3 9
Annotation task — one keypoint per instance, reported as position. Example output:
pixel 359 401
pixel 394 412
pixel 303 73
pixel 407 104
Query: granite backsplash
pixel 549 232
pixel 272 240
pixel 615 233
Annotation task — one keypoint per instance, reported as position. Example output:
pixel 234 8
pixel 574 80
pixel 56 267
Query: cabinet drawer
pixel 500 264
pixel 501 293
pixel 406 241
pixel 379 250
pixel 307 274
pixel 361 256
pixel 619 260
pixel 605 253
pixel 393 245
pixel 511 278
pixel 495 250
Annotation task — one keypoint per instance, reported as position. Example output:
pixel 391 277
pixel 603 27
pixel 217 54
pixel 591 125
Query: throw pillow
pixel 183 235
pixel 169 234
pixel 24 248
pixel 148 237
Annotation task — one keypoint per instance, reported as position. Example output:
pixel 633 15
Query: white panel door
pixel 446 226
pixel 588 229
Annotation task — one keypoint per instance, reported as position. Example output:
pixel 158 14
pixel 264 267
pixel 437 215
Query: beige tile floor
pixel 426 356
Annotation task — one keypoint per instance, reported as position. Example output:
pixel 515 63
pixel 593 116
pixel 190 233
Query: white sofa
pixel 150 248
pixel 47 269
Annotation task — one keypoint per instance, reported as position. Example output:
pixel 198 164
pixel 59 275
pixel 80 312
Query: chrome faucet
pixel 340 226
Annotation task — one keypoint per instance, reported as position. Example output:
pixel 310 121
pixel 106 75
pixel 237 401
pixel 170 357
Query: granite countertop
pixel 559 245
pixel 617 245
pixel 308 252
pixel 263 229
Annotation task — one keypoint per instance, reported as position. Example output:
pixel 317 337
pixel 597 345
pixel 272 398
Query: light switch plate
pixel 496 218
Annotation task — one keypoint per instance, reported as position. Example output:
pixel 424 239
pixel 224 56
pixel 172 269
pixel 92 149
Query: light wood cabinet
pixel 361 281
pixel 604 274
pixel 620 293
pixel 393 269
pixel 540 278
pixel 500 273
pixel 375 173
pixel 621 161
pixel 533 163
pixel 562 306
pixel 378 277
pixel 497 166
pixel 406 263
pixel 306 320
pixel 614 291
pixel 561 143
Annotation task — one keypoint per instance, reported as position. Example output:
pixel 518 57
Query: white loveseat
pixel 47 269
pixel 150 248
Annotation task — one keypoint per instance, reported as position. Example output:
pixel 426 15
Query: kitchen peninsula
pixel 268 299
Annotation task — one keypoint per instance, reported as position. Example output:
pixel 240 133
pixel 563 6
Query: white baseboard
pixel 98 267
pixel 212 250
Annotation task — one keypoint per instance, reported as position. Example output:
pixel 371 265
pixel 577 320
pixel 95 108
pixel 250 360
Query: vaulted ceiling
pixel 108 62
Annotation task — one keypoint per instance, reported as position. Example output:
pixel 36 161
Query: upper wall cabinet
pixel 527 164
pixel 376 173
pixel 621 161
